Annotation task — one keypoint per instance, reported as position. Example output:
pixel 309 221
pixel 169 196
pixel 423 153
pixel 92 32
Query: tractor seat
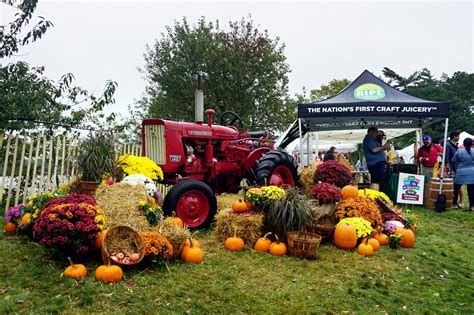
pixel 258 134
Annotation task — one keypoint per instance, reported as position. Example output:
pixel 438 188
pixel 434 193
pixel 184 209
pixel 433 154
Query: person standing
pixel 451 148
pixel 427 156
pixel 329 154
pixel 463 162
pixel 375 157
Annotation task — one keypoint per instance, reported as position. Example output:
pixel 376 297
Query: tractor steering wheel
pixel 232 120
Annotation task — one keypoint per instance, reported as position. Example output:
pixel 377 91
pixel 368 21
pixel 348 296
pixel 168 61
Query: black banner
pixel 430 109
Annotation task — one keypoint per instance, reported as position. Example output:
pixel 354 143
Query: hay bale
pixel 307 180
pixel 175 235
pixel 248 226
pixel 224 201
pixel 119 202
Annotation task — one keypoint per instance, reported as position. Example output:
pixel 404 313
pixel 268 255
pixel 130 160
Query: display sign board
pixel 410 188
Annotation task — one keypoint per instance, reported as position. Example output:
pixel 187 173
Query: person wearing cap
pixel 375 157
pixel 451 148
pixel 427 156
pixel 329 154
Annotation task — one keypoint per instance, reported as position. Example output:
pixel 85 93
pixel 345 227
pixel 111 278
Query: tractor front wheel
pixel 193 201
pixel 275 168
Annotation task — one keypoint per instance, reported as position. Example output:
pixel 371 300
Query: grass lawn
pixel 435 277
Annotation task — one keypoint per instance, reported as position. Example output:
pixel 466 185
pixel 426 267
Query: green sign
pixel 369 91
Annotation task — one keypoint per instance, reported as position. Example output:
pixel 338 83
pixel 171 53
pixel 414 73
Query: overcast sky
pixel 97 41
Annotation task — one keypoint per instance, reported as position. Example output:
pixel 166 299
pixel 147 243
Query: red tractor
pixel 200 160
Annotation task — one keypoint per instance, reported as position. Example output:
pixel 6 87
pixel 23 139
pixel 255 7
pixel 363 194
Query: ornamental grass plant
pixel 97 156
pixel 291 213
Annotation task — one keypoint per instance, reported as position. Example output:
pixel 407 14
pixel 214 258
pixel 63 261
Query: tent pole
pixel 317 145
pixel 310 144
pixel 308 148
pixel 444 146
pixel 301 143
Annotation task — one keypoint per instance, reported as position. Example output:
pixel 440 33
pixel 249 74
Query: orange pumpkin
pixel 239 206
pixel 372 241
pixel 109 273
pixel 176 220
pixel 99 239
pixel 187 245
pixel 408 237
pixel 263 243
pixel 26 219
pixel 382 238
pixel 365 249
pixel 277 248
pixel 349 191
pixel 75 270
pixel 10 228
pixel 193 254
pixel 345 236
pixel 234 243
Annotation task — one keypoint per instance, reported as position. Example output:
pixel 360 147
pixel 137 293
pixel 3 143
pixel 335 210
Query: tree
pixel 245 72
pixel 458 90
pixel 13 36
pixel 27 98
pixel 328 90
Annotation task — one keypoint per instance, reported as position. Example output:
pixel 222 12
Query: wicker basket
pixel 303 244
pixel 177 248
pixel 325 230
pixel 131 240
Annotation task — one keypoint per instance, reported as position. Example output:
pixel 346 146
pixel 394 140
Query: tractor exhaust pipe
pixel 199 101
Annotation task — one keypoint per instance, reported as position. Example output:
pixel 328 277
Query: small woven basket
pixel 303 244
pixel 177 248
pixel 325 230
pixel 128 238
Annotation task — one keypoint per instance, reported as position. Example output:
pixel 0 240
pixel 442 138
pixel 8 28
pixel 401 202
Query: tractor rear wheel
pixel 275 168
pixel 193 201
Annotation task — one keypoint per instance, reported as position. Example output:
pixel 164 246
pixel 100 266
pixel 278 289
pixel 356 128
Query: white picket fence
pixel 31 163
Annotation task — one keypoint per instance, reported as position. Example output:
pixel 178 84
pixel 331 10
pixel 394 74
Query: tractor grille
pixel 155 144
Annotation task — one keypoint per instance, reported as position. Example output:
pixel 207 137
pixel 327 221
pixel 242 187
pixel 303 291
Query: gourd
pixel 408 237
pixel 99 239
pixel 372 241
pixel 345 236
pixel 193 254
pixel 75 270
pixel 349 191
pixel 176 220
pixel 10 228
pixel 234 243
pixel 365 248
pixel 109 273
pixel 382 238
pixel 239 206
pixel 263 243
pixel 277 248
pixel 187 245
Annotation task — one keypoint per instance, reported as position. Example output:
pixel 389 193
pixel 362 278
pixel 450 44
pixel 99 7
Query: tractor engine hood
pixel 196 130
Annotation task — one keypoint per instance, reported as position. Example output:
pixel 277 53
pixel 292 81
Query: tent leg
pixel 444 146
pixel 301 143
pixel 317 146
pixel 308 148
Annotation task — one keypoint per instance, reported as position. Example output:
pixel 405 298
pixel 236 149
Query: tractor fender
pixel 253 157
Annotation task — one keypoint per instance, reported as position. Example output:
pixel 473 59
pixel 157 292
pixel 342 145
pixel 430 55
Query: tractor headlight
pixel 190 159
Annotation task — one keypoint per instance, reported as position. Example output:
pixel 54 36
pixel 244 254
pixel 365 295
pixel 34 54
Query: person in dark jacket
pixel 463 162
pixel 451 148
pixel 329 154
